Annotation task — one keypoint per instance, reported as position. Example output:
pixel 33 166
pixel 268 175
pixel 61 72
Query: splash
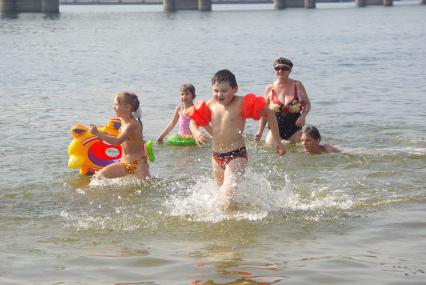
pixel 97 183
pixel 199 201
pixel 255 197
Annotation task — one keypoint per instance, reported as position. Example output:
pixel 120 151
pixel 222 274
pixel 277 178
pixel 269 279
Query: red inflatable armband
pixel 200 113
pixel 252 106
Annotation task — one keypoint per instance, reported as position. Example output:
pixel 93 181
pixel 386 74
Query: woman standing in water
pixel 287 98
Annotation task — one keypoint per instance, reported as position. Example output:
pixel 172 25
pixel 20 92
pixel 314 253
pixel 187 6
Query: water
pixel 350 218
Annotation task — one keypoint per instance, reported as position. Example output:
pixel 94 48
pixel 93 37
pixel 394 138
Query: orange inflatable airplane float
pixel 87 152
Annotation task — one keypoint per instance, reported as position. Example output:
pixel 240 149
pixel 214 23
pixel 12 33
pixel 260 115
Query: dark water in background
pixel 351 218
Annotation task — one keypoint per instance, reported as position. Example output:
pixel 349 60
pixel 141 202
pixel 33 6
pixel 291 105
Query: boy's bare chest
pixel 226 115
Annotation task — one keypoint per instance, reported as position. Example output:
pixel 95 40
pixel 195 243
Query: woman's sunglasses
pixel 282 68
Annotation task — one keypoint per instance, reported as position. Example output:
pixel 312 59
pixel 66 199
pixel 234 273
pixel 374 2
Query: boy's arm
pixel 262 124
pixel 200 137
pixel 170 125
pixel 273 125
pixel 263 119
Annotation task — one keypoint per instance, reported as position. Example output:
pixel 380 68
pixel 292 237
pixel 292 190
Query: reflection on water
pixel 227 264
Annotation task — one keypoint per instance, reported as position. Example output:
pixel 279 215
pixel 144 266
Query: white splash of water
pixel 129 180
pixel 254 197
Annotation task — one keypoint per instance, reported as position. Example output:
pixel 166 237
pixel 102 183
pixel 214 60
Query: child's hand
pixel 159 140
pixel 258 136
pixel 202 138
pixel 280 148
pixel 93 129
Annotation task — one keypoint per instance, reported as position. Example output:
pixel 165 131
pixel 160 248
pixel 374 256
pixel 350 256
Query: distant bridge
pixel 52 6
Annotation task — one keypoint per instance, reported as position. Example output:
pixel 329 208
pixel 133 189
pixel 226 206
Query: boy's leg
pixel 112 171
pixel 218 173
pixel 232 176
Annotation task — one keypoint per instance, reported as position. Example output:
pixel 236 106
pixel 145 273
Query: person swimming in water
pixel 311 139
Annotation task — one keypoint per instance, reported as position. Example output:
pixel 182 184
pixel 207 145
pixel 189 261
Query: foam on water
pixel 129 204
pixel 255 197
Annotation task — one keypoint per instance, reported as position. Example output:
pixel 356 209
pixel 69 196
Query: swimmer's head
pixel 283 63
pixel 224 76
pixel 312 132
pixel 185 88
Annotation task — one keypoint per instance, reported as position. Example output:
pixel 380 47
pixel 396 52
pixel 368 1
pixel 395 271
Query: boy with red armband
pixel 225 115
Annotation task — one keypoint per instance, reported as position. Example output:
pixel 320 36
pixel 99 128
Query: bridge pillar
pixel 388 3
pixel 205 5
pixel 280 4
pixel 310 4
pixel 50 6
pixel 360 3
pixel 169 6
pixel 7 6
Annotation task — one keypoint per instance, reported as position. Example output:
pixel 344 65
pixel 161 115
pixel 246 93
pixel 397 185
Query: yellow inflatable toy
pixel 88 152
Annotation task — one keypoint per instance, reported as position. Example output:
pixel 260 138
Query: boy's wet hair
pixel 283 61
pixel 188 87
pixel 312 132
pixel 128 98
pixel 223 76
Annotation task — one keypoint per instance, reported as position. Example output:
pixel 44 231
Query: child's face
pixel 119 108
pixel 309 144
pixel 186 96
pixel 223 93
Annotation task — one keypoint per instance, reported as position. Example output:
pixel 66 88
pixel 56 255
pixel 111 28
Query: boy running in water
pixel 225 115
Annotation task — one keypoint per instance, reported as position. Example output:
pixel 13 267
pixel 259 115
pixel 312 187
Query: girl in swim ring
pixel 187 96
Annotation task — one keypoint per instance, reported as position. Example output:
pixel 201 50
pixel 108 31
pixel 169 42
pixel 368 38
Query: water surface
pixel 350 218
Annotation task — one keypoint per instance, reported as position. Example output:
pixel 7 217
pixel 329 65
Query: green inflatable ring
pixel 150 150
pixel 181 140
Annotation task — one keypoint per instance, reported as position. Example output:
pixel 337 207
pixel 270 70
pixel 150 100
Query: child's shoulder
pixel 329 148
pixel 134 123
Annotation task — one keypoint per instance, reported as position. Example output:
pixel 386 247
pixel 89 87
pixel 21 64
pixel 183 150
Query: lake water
pixel 351 218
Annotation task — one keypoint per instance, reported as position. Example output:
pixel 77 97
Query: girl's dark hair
pixel 188 87
pixel 283 60
pixel 224 76
pixel 312 132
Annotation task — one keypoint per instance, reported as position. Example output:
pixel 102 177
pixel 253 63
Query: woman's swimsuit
pixel 288 114
pixel 223 159
pixel 183 123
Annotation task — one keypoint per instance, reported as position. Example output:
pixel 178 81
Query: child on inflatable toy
pixel 134 158
pixel 227 113
pixel 187 95
pixel 311 139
